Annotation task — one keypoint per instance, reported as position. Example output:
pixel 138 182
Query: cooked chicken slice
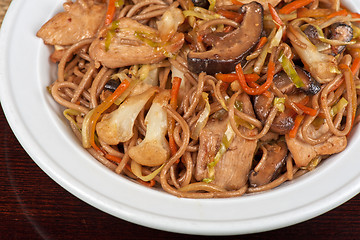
pixel 210 139
pixel 80 20
pixel 232 171
pixel 303 152
pixel 132 43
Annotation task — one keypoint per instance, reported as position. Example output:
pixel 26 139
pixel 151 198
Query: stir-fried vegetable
pixel 290 70
pixel 204 116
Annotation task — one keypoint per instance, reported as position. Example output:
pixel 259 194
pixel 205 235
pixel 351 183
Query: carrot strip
pixel 236 2
pixel 110 12
pixel 237 17
pixel 343 12
pixel 229 77
pixel 173 103
pixel 117 160
pixel 290 7
pixel 261 43
pixel 314 13
pixel 356 65
pixel 275 16
pixel 150 183
pixel 306 110
pixel 261 89
pixel 294 130
pixel 102 107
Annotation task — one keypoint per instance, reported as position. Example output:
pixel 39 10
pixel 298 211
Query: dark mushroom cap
pixel 286 86
pixel 272 165
pixel 283 122
pixel 342 32
pixel 232 48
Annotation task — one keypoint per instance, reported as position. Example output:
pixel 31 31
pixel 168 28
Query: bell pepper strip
pixel 110 12
pixel 259 90
pixel 94 115
pixel 176 82
pixel 297 122
pixel 294 5
pixel 306 110
pixel 275 16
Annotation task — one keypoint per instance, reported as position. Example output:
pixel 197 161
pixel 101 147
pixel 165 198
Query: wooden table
pixel 33 206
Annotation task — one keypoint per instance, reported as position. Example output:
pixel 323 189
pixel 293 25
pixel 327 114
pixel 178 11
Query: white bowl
pixel 37 122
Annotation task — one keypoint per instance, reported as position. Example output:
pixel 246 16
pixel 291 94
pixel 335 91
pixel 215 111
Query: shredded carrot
pixel 306 110
pixel 290 7
pixel 294 130
pixel 261 89
pixel 261 43
pixel 275 16
pixel 175 92
pixel 354 15
pixel 228 29
pixel 236 2
pixel 355 65
pixel 237 17
pixel 150 183
pixel 229 77
pixel 110 12
pixel 173 103
pixel 117 160
pixel 343 12
pixel 102 107
pixel 314 13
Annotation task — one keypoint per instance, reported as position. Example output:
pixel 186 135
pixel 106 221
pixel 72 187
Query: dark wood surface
pixel 33 206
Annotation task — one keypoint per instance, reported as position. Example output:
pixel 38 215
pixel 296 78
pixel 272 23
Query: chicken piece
pixel 264 3
pixel 210 139
pixel 81 20
pixel 232 171
pixel 132 43
pixel 303 152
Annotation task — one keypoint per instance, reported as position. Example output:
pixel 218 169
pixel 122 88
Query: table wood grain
pixel 33 206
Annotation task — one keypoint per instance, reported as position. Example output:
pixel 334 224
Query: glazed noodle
pixel 207 99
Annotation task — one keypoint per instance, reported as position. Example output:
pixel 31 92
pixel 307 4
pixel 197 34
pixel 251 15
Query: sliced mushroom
pixel 285 85
pixel 269 167
pixel 262 106
pixel 341 32
pixel 232 48
pixel 337 31
pixel 282 123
